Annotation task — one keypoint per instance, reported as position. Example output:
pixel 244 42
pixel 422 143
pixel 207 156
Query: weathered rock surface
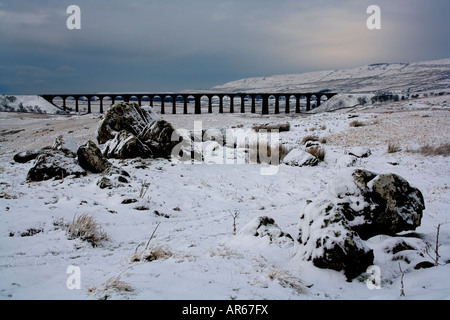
pixel 124 116
pixel 378 204
pixel 26 156
pixel 300 158
pixel 91 158
pixel 54 164
pixel 360 204
pixel 130 131
pixel 66 144
pixel 327 240
pixel 125 145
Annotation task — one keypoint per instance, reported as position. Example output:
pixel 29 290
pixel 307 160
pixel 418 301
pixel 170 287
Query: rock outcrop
pixel 360 204
pixel 131 131
pixel 54 164
pixel 91 158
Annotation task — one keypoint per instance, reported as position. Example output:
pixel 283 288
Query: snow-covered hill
pixel 427 76
pixel 27 103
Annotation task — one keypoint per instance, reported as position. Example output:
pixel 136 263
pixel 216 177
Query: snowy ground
pixel 193 207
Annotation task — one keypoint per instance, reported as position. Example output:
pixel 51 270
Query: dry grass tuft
pixel 286 280
pixel 111 286
pixel 356 123
pixel 393 147
pixel 87 229
pixel 153 253
pixel 309 138
pixel 442 150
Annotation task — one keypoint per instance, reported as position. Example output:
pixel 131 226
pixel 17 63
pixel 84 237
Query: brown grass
pixel 442 150
pixel 393 147
pixel 356 123
pixel 153 253
pixel 309 138
pixel 87 229
pixel 317 152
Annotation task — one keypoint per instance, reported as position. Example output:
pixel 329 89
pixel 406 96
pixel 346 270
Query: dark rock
pixel 158 137
pixel 327 240
pixel 91 158
pixel 124 116
pixel 401 246
pixel 25 156
pixel 128 201
pixel 54 164
pixel 360 205
pixel 125 145
pixel 380 204
pixel 424 265
pixel 360 152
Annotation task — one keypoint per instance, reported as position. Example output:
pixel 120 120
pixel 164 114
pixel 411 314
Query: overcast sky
pixel 156 45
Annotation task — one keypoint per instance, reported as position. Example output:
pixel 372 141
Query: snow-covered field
pixel 192 211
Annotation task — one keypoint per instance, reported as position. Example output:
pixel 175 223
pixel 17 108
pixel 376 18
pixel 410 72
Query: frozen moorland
pixel 187 230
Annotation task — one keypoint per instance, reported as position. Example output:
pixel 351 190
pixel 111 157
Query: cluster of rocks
pixel 126 131
pixel 360 204
pixel 332 230
pixel 131 131
pixel 65 158
pixel 309 154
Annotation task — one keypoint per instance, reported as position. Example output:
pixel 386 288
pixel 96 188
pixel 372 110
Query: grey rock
pixel 91 158
pixel 54 164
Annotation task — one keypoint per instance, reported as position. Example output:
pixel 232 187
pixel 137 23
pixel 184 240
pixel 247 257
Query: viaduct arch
pixel 262 103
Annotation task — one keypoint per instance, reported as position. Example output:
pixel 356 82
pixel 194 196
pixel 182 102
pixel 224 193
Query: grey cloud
pixel 186 44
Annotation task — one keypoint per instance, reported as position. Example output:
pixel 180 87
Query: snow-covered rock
pixel 130 131
pixel 28 155
pixel 327 240
pixel 124 116
pixel 298 157
pixel 377 203
pixel 125 145
pixel 360 152
pixel 265 227
pixel 54 164
pixel 359 205
pixel 66 144
pixel 91 158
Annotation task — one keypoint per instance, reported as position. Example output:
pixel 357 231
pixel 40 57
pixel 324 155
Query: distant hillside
pixel 426 76
pixel 27 103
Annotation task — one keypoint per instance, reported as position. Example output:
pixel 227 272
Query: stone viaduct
pixel 267 102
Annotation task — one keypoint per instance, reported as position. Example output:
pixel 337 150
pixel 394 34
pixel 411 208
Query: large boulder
pixel 359 205
pixel 130 131
pixel 124 116
pixel 327 240
pixel 91 158
pixel 66 144
pixel 157 135
pixel 125 145
pixel 54 164
pixel 377 203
